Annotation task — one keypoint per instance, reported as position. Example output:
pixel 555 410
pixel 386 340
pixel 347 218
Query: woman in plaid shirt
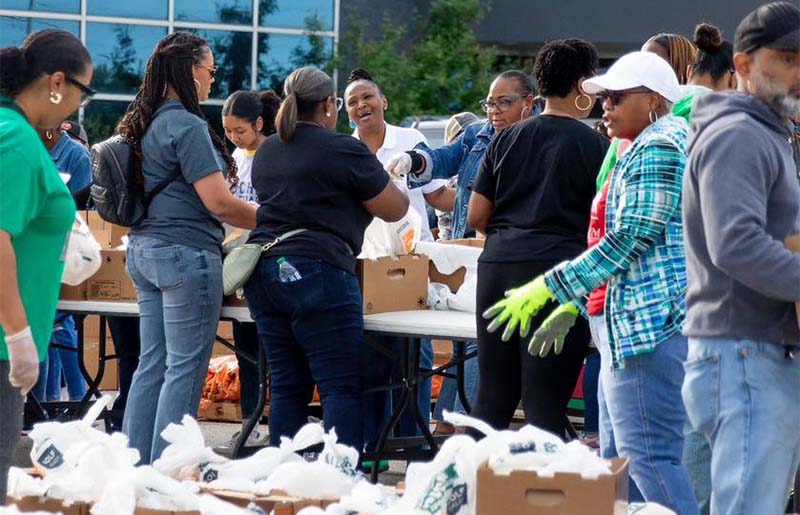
pixel 641 258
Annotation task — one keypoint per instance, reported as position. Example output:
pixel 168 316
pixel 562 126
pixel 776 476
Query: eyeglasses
pixel 501 104
pixel 212 70
pixel 86 92
pixel 616 97
pixel 339 103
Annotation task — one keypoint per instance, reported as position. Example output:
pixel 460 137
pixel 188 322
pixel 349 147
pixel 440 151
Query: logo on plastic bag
pixel 444 492
pixel 208 473
pixel 50 458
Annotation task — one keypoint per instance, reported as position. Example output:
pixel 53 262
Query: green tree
pixel 442 70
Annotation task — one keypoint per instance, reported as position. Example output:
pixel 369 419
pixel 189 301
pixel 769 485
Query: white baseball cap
pixel 634 70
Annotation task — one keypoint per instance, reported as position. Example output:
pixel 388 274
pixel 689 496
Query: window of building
pixel 232 51
pixel 148 9
pixel 120 53
pixel 52 6
pixel 294 13
pixel 279 54
pixel 235 12
pixel 14 29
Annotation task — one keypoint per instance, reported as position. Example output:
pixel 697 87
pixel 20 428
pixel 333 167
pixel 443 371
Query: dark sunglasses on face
pixel 86 92
pixel 616 97
pixel 212 70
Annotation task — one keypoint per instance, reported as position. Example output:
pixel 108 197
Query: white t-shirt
pixel 396 141
pixel 244 170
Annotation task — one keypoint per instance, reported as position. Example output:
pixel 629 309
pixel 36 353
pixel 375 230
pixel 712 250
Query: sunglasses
pixel 616 97
pixel 339 103
pixel 212 70
pixel 86 92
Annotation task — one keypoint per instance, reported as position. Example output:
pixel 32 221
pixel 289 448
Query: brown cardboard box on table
pixel 281 504
pixel 525 493
pixel 456 279
pixel 72 292
pixel 394 283
pixel 49 505
pixel 108 235
pixel 150 511
pixel 111 282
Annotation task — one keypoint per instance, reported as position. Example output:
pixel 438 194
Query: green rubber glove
pixel 518 308
pixel 553 331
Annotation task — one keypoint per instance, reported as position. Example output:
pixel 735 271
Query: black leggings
pixel 508 372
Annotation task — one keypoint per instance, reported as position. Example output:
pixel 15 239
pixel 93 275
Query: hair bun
pixel 707 38
pixel 13 70
pixel 359 74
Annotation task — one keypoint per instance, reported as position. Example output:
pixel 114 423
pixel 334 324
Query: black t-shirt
pixel 317 182
pixel 540 174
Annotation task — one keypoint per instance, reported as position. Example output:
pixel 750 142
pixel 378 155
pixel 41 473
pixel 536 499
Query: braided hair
pixel 171 64
pixel 680 53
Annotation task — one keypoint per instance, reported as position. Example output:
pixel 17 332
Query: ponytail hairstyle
pixel 680 52
pixel 42 53
pixel 304 88
pixel 714 54
pixel 249 105
pixel 360 75
pixel 170 65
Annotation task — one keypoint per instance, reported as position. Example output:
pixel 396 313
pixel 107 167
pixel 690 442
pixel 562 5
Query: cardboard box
pixel 111 282
pixel 91 358
pixel 150 511
pixel 525 493
pixel 442 352
pixel 793 243
pixel 222 411
pixel 281 504
pixel 109 236
pixel 49 505
pixel 68 292
pixel 394 283
pixel 456 279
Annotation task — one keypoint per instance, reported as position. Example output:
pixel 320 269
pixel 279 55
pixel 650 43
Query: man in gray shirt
pixel 741 199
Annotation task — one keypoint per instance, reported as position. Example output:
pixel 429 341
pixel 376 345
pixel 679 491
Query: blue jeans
pixel 180 297
pixel 381 370
pixel 744 396
pixel 448 396
pixel 58 361
pixel 591 379
pixel 312 330
pixel 642 419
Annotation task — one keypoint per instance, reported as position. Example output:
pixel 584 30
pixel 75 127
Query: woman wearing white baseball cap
pixel 641 258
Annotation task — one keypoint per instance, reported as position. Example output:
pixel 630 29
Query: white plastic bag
pixel 187 453
pixel 315 480
pixel 341 457
pixel 82 257
pixel 392 238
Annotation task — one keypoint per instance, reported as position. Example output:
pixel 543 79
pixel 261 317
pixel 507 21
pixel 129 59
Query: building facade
pixel 255 42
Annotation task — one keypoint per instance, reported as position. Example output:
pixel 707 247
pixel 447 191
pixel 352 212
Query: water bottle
pixel 286 272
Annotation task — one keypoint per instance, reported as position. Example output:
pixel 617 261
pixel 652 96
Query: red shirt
pixel 597 229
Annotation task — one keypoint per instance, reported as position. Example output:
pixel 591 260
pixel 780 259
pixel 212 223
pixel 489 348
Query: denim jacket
pixel 462 157
pixel 641 255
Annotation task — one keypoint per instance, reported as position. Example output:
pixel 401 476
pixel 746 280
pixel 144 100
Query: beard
pixel 777 96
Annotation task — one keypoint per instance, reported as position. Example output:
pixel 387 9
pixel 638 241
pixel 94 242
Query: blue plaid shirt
pixel 641 255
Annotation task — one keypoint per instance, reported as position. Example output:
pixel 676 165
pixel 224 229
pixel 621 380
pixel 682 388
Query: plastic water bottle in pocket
pixel 286 272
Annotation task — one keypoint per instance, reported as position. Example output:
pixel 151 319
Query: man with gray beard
pixel 741 199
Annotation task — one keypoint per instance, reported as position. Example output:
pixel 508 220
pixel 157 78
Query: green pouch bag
pixel 242 260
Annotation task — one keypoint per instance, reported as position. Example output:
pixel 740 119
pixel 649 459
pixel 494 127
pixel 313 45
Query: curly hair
pixel 562 63
pixel 170 65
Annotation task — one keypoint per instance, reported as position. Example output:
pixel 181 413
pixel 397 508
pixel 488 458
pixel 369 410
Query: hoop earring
pixel 55 98
pixel 48 134
pixel 589 106
pixel 652 116
pixel 328 114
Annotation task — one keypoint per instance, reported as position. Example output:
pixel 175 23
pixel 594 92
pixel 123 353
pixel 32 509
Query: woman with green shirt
pixel 41 84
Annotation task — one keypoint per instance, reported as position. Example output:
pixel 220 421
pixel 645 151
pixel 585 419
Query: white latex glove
pixel 399 165
pixel 24 360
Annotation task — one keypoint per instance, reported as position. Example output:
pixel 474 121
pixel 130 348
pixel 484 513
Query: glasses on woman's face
pixel 86 92
pixel 212 70
pixel 616 97
pixel 339 103
pixel 501 104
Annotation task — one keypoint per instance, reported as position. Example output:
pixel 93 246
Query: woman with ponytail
pixel 248 117
pixel 175 254
pixel 317 190
pixel 41 84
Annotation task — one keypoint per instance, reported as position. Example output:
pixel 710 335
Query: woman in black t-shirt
pixel 319 190
pixel 532 199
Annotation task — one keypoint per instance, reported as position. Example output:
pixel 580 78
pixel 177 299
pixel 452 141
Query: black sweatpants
pixel 508 372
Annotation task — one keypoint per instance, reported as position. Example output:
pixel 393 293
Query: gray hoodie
pixel 741 198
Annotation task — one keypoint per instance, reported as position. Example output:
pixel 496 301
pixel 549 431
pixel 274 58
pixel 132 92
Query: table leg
pixel 460 370
pixel 412 375
pixel 259 410
pixel 93 384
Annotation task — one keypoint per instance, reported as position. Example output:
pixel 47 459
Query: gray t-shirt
pixel 178 138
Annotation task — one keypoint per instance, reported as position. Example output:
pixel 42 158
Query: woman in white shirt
pixel 248 117
pixel 366 104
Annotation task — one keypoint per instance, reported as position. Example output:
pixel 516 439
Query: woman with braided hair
pixel 174 255
pixel 677 50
